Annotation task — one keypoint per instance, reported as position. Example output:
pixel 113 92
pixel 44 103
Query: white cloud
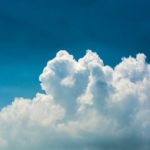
pixel 86 105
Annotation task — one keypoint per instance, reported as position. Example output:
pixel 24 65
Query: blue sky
pixel 62 103
pixel 32 31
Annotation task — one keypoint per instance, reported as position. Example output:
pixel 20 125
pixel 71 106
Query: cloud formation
pixel 86 106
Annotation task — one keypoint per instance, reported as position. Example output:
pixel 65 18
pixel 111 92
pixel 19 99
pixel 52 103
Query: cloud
pixel 86 106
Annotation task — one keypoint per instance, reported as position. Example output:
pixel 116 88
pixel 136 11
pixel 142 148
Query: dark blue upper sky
pixel 32 31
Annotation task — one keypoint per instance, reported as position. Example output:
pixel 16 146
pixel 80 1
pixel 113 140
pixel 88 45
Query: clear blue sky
pixel 32 31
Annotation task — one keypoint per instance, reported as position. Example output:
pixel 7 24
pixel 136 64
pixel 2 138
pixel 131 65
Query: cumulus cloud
pixel 86 106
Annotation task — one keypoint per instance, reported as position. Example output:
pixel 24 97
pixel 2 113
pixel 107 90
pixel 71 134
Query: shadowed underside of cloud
pixel 86 106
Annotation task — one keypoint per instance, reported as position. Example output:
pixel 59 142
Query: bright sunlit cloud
pixel 86 106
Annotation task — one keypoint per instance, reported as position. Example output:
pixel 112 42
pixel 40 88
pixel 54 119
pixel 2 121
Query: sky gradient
pixel 74 75
pixel 32 31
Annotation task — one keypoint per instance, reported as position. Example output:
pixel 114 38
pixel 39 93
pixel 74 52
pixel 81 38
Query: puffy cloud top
pixel 86 106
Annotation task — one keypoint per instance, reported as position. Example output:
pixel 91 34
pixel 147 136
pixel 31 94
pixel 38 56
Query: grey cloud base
pixel 86 106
